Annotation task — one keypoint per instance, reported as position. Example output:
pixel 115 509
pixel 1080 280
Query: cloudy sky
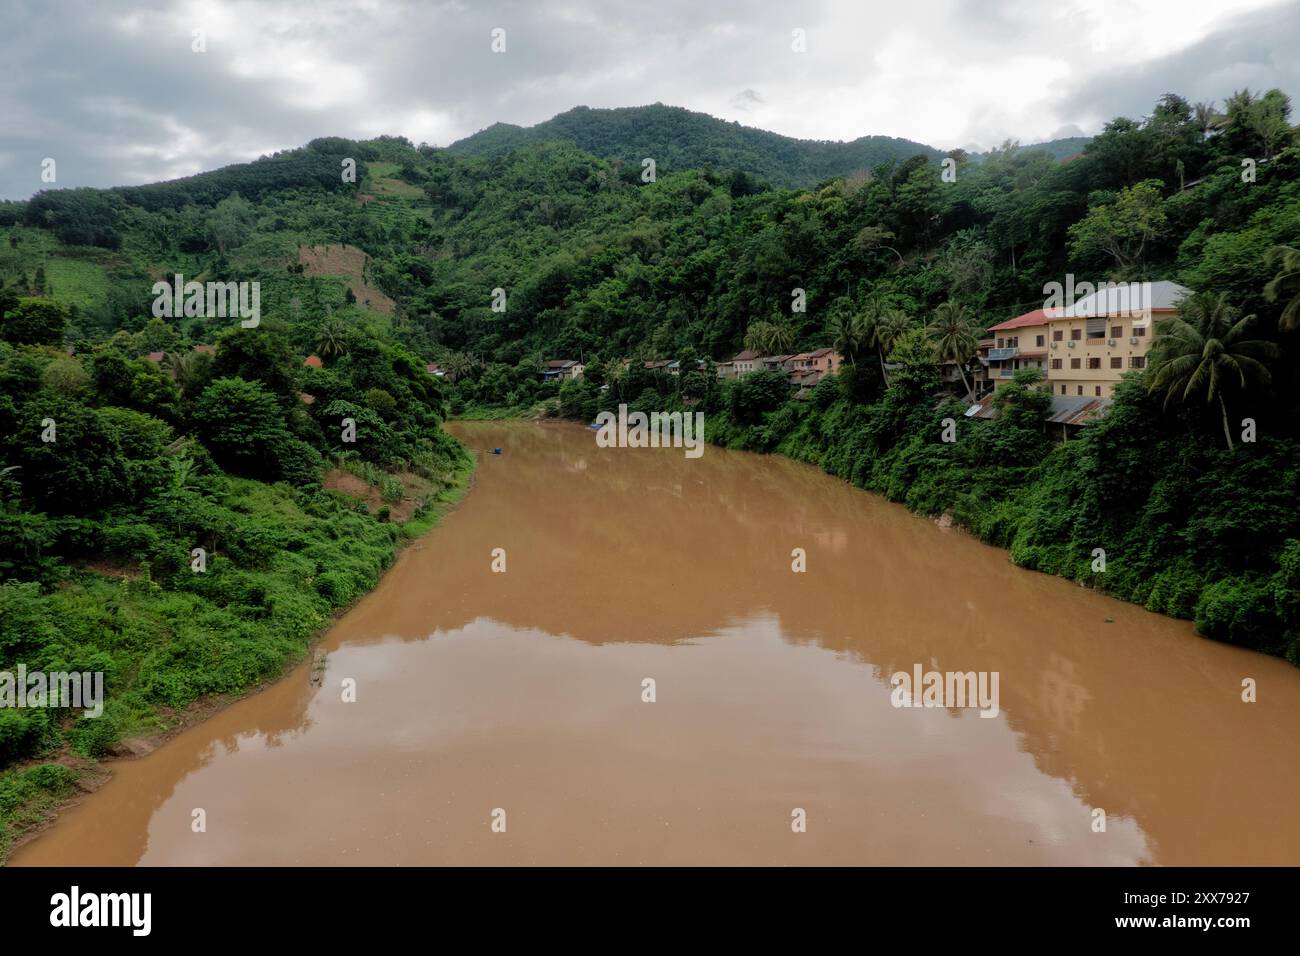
pixel 115 93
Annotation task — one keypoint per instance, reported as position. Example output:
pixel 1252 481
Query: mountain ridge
pixel 679 138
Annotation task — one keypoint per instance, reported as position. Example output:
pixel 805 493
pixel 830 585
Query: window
pixel 1075 363
pixel 1056 363
pixel 1062 389
pixel 1014 341
pixel 1058 334
pixel 1076 334
pixel 1116 362
pixel 1002 343
pixel 1139 330
pixel 1040 340
pixel 1117 331
pixel 1137 361
pixel 1098 391
pixel 1094 362
pixel 1080 387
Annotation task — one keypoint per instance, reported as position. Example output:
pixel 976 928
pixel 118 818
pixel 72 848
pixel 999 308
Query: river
pixel 489 701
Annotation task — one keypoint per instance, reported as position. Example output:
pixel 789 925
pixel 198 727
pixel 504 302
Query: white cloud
pixel 944 72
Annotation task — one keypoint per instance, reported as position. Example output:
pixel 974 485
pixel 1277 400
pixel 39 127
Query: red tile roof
pixel 1037 317
pixel 313 360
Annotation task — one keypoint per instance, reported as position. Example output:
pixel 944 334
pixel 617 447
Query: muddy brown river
pixel 489 702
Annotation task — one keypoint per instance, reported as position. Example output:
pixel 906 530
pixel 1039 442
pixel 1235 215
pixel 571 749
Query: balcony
pixel 998 355
pixel 1006 373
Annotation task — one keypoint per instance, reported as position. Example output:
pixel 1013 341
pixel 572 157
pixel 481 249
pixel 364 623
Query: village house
pixel 1018 343
pixel 563 370
pixel 804 369
pixel 745 362
pixel 818 362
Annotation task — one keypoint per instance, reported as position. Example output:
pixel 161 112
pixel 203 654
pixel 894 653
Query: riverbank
pixel 330 555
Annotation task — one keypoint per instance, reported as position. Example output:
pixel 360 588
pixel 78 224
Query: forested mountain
pixel 489 258
pixel 679 139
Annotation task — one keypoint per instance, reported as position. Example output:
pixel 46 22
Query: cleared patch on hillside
pixel 350 263
pixel 415 491
pixel 382 181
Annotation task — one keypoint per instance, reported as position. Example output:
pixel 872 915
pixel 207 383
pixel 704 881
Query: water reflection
pixel 521 690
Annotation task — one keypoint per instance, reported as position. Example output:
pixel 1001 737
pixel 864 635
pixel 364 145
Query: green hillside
pixel 679 139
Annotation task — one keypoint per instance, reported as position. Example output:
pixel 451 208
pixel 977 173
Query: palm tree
pixel 758 335
pixel 955 337
pixel 773 336
pixel 331 341
pixel 884 327
pixel 459 364
pixel 782 335
pixel 184 367
pixel 1207 118
pixel 849 333
pixel 5 481
pixel 1288 277
pixel 1201 352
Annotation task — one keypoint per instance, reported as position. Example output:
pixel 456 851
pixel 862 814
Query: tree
pixel 35 322
pixel 872 238
pixel 1202 352
pixel 241 424
pixel 774 336
pixel 189 369
pixel 459 364
pixel 848 333
pixel 231 222
pixel 884 327
pixel 914 354
pixel 1121 227
pixel 955 337
pixel 1285 283
pixel 331 341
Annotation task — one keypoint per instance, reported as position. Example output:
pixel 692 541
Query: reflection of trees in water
pixel 118 834
pixel 1127 713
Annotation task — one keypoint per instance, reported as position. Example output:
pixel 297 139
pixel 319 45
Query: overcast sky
pixel 113 91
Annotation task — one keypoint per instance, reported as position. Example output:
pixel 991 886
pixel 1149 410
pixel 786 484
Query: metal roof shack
pixel 1068 412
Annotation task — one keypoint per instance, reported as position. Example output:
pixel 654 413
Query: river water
pixel 488 700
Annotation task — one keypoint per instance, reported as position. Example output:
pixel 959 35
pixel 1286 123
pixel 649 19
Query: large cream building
pixel 1084 348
